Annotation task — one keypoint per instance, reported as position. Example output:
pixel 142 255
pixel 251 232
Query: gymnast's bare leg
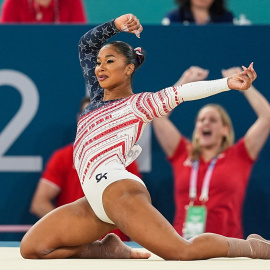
pixel 72 231
pixel 133 214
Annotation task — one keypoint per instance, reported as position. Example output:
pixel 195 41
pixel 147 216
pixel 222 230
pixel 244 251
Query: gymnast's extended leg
pixel 134 214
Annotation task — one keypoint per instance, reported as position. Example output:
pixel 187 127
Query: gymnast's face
pixel 112 70
pixel 209 127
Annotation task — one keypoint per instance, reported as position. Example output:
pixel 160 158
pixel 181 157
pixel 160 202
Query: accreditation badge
pixel 195 221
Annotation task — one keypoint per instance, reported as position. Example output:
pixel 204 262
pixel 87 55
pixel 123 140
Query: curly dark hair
pixel 218 6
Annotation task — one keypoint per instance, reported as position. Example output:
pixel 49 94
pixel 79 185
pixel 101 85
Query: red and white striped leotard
pixel 113 129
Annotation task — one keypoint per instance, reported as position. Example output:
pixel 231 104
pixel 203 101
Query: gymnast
pixel 105 144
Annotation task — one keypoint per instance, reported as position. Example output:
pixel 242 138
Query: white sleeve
pixel 201 89
pixel 149 105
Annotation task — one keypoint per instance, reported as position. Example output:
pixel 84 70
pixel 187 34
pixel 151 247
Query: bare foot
pixel 259 246
pixel 113 248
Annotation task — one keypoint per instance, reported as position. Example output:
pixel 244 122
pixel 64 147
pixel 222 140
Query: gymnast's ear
pixel 130 69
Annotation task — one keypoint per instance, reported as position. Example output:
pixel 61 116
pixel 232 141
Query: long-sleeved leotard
pixel 111 128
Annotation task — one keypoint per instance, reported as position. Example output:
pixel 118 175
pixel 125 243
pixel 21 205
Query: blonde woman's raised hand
pixel 192 74
pixel 230 71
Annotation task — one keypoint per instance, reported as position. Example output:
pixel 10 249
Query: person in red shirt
pixel 213 138
pixel 60 183
pixel 43 11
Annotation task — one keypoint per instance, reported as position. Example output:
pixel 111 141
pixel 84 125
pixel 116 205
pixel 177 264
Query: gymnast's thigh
pixel 72 224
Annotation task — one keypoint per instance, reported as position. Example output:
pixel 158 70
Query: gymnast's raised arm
pixel 89 46
pixel 91 42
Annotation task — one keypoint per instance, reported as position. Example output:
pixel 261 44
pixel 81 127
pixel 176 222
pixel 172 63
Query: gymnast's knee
pixel 29 250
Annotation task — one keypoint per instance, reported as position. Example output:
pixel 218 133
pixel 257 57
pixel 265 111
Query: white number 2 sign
pixel 30 101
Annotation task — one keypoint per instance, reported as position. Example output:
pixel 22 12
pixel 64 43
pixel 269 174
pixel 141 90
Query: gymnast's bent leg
pixel 72 231
pixel 133 213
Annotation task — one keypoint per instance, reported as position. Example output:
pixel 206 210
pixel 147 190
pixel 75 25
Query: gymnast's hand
pixel 242 80
pixel 129 23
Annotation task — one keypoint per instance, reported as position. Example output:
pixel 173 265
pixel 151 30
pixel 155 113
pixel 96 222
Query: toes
pixel 136 254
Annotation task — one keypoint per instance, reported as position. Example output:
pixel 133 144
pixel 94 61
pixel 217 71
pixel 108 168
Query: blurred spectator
pixel 43 11
pixel 60 183
pixel 211 172
pixel 199 12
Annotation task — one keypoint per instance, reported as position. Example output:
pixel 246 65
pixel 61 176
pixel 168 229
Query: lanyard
pixel 206 180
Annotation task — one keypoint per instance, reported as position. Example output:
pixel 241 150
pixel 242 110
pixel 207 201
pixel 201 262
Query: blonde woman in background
pixel 211 172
